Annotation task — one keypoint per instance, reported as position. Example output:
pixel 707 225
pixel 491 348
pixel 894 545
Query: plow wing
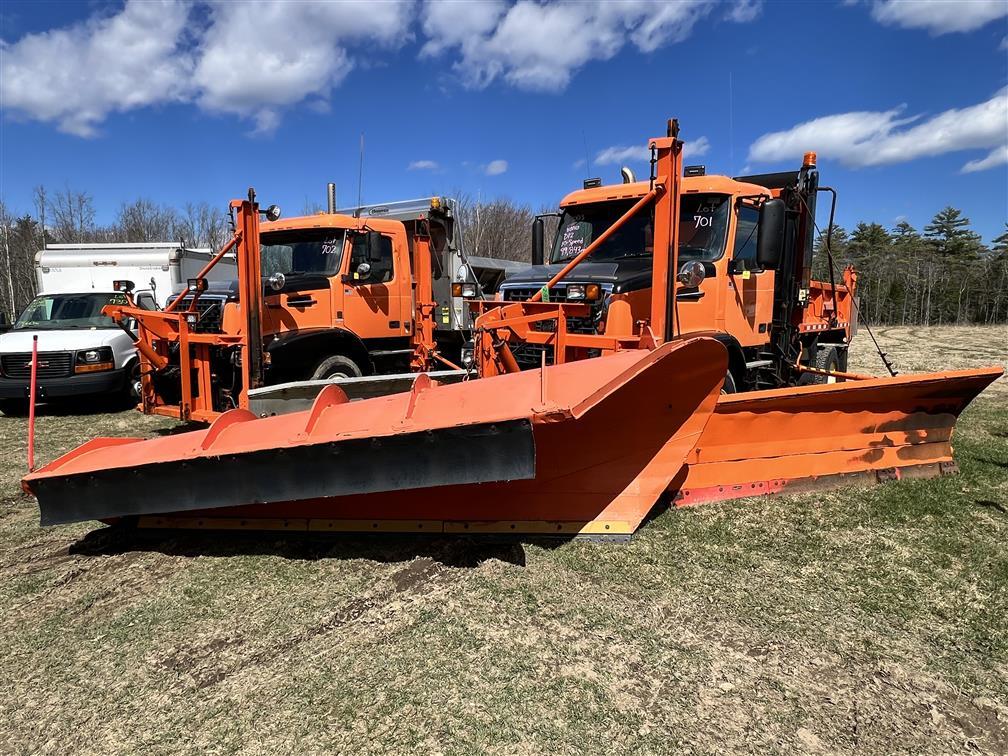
pixel 796 439
pixel 583 447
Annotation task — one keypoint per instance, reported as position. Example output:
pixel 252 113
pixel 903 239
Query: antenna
pixel 731 123
pixel 587 155
pixel 360 175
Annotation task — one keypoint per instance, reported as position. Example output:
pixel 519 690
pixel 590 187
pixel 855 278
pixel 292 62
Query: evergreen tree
pixel 949 231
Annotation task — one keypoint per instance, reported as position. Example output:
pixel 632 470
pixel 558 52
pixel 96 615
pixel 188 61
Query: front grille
pixel 529 356
pixel 50 365
pixel 211 312
pixel 584 325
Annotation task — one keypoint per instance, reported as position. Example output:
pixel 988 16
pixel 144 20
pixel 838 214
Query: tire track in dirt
pixel 207 666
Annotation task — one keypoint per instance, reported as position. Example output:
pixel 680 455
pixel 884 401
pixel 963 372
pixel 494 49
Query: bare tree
pixel 144 221
pixel 73 216
pixel 202 225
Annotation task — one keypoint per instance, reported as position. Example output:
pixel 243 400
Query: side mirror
pixel 537 241
pixel 770 236
pixel 374 246
pixel 363 271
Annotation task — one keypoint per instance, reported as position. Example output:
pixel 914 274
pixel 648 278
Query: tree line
pixel 943 274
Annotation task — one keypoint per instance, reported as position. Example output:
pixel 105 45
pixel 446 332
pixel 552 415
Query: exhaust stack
pixel 628 175
pixel 331 197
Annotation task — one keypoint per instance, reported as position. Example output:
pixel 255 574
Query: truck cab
pixel 722 286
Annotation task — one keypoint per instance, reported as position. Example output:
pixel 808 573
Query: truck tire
pixel 336 366
pixel 827 358
pixel 728 387
pixel 132 388
pixel 14 407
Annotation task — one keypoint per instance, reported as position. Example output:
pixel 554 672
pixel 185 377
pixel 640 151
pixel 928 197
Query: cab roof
pixel 330 220
pixel 637 189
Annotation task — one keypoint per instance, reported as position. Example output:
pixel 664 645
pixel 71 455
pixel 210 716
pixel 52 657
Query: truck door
pixel 749 303
pixel 372 300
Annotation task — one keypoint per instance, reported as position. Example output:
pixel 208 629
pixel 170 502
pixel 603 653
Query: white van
pixel 82 353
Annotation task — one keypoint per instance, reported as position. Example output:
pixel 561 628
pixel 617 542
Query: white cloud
pixel 1004 43
pixel 744 11
pixel 637 153
pixel 578 164
pixel 869 138
pixel 998 156
pixel 259 58
pixel 496 167
pixel 640 153
pixel 939 16
pixel 538 46
pixel 250 59
pixel 75 77
pixel 423 165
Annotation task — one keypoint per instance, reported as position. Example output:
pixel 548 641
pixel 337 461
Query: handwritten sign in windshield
pixel 574 239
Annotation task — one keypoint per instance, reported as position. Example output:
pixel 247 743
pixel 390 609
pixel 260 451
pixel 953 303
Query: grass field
pixel 866 620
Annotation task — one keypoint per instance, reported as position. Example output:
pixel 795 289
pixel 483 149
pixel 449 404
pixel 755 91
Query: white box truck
pixel 82 353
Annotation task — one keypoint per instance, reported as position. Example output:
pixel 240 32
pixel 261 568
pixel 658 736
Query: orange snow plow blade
pixel 583 447
pixel 797 439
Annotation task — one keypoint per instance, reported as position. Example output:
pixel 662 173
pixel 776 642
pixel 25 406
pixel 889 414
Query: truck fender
pixel 736 357
pixel 316 343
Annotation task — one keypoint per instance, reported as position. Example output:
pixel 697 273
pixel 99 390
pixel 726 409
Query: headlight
pixel 467 357
pixel 93 360
pixel 191 319
pixel 99 354
pixel 575 292
pixel 469 291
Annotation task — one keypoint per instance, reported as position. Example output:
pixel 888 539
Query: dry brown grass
pixel 865 620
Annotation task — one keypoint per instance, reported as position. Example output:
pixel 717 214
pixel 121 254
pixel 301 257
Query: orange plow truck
pixel 585 443
pixel 341 295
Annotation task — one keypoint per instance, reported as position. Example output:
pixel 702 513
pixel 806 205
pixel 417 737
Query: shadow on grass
pixel 992 505
pixel 451 551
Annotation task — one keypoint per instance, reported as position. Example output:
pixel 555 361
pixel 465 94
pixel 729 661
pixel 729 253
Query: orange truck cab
pixel 344 294
pixel 769 314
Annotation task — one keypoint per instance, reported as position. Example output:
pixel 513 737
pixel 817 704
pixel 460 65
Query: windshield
pixel 56 311
pixel 316 250
pixel 703 222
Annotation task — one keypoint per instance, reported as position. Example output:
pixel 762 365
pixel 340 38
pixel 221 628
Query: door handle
pixel 300 302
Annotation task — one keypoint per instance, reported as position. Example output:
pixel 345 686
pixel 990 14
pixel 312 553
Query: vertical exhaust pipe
pixel 628 175
pixel 331 197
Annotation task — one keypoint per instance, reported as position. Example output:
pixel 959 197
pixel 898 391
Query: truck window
pixel 381 264
pixel 66 311
pixel 310 250
pixel 745 236
pixel 703 226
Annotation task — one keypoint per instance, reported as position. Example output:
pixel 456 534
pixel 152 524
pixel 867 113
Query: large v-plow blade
pixel 583 447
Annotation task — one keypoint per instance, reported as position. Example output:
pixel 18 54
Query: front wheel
pixel 133 389
pixel 336 367
pixel 728 387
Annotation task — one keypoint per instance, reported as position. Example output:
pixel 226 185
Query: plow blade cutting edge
pixel 582 447
pixel 810 437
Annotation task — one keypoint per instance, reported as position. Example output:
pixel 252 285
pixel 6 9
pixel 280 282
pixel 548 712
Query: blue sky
pixel 905 102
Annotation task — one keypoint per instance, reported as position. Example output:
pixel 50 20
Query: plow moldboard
pixel 587 447
pixel 822 436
